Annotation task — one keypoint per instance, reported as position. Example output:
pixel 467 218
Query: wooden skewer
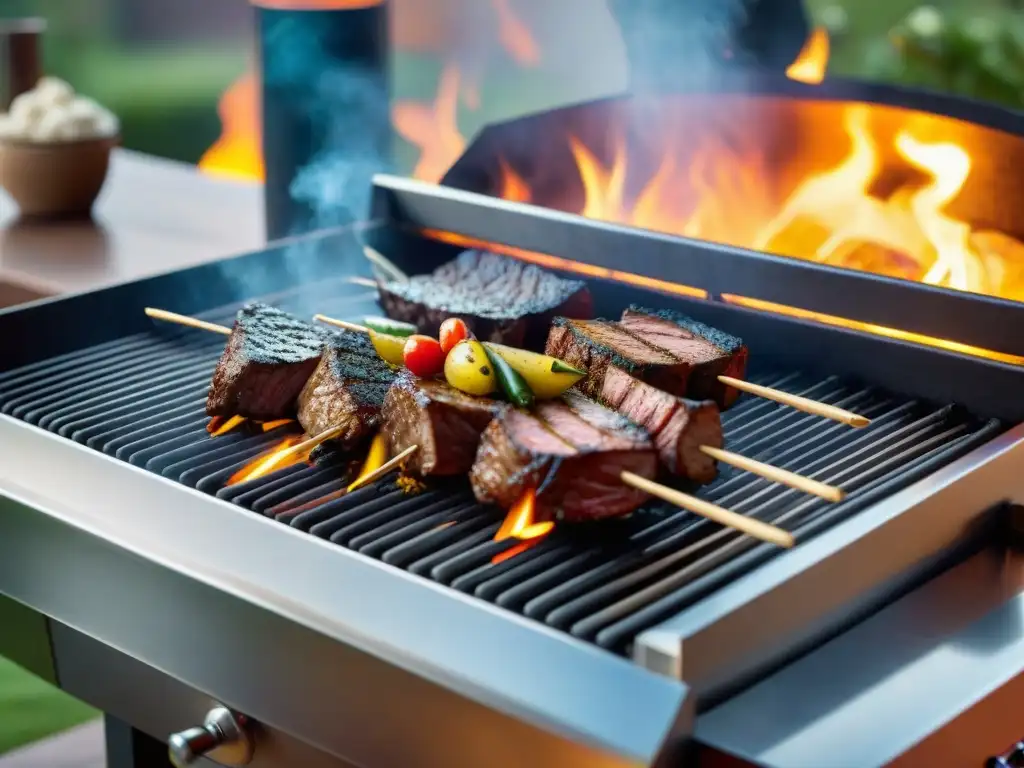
pixel 800 403
pixel 385 264
pixel 191 322
pixel 384 468
pixel 341 324
pixel 364 281
pixel 310 443
pixel 742 523
pixel 776 474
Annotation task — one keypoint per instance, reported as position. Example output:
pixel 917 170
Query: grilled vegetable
pixel 468 370
pixel 423 356
pixel 548 377
pixel 391 348
pixel 453 330
pixel 512 384
pixel 390 327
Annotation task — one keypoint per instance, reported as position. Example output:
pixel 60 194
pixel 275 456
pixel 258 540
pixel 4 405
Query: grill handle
pixel 224 736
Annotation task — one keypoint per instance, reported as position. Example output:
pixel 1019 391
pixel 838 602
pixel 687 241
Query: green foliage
pixel 970 51
pixel 31 709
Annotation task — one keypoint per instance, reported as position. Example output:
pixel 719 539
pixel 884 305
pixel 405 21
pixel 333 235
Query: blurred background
pixel 175 71
pixel 164 66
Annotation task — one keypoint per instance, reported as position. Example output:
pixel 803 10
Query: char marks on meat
pixel 594 345
pixel 501 299
pixel 446 424
pixel 678 426
pixel 708 352
pixel 268 358
pixel 572 452
pixel 346 390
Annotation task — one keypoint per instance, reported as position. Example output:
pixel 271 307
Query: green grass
pixel 31 709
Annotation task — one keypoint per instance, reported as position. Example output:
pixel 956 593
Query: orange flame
pixel 519 524
pixel 515 36
pixel 375 458
pixel 884 207
pixel 812 62
pixel 237 154
pixel 280 456
pixel 433 128
pixel 218 425
pixel 269 425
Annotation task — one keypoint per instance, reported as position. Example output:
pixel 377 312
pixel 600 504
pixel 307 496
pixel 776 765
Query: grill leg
pixel 131 748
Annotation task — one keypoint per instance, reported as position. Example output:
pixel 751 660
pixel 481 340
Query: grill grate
pixel 141 399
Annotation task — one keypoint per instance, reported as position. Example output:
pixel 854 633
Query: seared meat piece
pixel 501 299
pixel 347 390
pixel 572 452
pixel 678 426
pixel 594 345
pixel 665 349
pixel 268 358
pixel 708 352
pixel 444 423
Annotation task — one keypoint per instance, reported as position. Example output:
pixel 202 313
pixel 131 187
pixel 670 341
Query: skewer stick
pixel 191 322
pixel 800 403
pixel 384 468
pixel 776 474
pixel 748 525
pixel 342 324
pixel 385 264
pixel 364 281
pixel 310 443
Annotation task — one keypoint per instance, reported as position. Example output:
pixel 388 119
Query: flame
pixel 218 425
pixel 237 153
pixel 266 426
pixel 811 63
pixel 515 36
pixel 884 207
pixel 280 456
pixel 375 458
pixel 433 128
pixel 519 524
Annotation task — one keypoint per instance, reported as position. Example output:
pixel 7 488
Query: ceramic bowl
pixel 55 179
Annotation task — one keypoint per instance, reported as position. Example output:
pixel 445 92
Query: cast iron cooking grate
pixel 141 399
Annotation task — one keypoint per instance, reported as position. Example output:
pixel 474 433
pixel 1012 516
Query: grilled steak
pixel 444 423
pixel 268 358
pixel 708 351
pixel 678 426
pixel 594 345
pixel 501 299
pixel 572 452
pixel 665 349
pixel 346 390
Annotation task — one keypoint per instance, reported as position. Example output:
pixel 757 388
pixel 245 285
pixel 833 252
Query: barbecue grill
pixel 374 629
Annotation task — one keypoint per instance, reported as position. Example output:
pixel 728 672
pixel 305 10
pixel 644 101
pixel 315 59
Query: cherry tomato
pixel 453 330
pixel 423 356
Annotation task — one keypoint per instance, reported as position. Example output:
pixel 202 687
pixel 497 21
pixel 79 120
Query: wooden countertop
pixel 153 216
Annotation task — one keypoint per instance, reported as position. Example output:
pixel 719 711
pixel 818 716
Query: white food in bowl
pixel 51 113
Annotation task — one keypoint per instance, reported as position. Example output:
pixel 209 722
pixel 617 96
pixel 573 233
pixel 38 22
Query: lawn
pixel 31 709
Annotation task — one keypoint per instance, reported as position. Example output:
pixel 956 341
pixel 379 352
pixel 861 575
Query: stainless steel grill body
pixel 370 629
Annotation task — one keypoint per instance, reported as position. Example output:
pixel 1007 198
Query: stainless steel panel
pixel 336 649
pixel 935 679
pixel 158 705
pixel 807 593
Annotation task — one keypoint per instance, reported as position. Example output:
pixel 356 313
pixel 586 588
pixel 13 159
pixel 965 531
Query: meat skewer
pixel 725 383
pixel 441 402
pixel 673 353
pixel 275 365
pixel 336 432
